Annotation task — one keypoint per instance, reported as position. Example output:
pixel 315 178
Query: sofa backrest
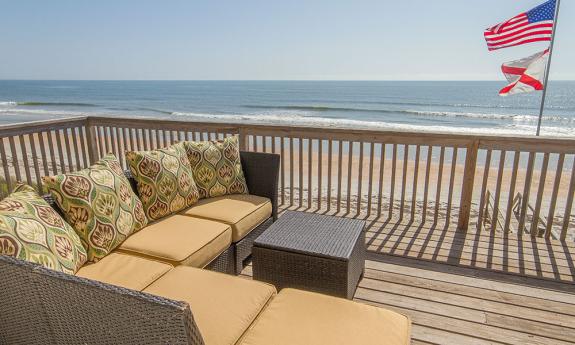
pixel 42 306
pixel 261 171
pixel 52 202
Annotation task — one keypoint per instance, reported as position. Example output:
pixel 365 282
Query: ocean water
pixel 458 106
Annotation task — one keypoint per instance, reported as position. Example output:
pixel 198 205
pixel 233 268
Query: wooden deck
pixel 468 288
pixel 516 256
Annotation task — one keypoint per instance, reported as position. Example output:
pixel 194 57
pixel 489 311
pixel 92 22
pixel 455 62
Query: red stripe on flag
pixel 534 83
pixel 513 70
pixel 541 32
pixel 507 88
pixel 525 79
pixel 522 42
pixel 526 28
pixel 510 22
pixel 513 26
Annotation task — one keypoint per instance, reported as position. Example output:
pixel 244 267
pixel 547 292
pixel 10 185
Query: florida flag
pixel 525 75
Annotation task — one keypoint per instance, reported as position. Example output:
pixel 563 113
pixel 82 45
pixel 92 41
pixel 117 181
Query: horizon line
pixel 298 80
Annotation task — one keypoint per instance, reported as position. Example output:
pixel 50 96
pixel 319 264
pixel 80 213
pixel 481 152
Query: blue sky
pixel 342 40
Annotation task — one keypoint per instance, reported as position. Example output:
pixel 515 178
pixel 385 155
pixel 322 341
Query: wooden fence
pixel 452 180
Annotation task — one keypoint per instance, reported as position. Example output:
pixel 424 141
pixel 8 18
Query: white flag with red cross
pixel 525 75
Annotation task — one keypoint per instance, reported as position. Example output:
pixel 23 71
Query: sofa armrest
pixel 65 309
pixel 262 172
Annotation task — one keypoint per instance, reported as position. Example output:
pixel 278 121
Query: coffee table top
pixel 308 233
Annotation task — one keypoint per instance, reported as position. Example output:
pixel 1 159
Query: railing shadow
pixel 438 241
pixel 441 243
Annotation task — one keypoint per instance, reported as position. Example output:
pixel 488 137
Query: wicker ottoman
pixel 313 252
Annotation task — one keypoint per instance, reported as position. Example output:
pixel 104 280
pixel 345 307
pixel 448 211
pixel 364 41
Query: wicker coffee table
pixel 314 252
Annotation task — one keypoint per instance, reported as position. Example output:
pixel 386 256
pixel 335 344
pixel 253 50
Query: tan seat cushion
pixel 223 306
pixel 243 212
pixel 125 270
pixel 180 240
pixel 300 317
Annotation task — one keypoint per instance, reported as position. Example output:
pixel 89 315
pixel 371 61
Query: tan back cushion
pixel 31 230
pixel 99 204
pixel 165 181
pixel 217 167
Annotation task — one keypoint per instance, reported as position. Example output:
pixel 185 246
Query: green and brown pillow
pixel 165 181
pixel 217 167
pixel 31 230
pixel 99 204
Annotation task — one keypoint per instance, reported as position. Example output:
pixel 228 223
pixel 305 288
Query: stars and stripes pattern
pixel 532 26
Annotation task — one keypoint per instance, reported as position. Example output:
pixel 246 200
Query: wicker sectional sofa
pixel 159 287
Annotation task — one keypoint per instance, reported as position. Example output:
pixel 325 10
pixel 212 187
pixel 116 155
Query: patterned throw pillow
pixel 31 230
pixel 99 204
pixel 165 181
pixel 217 167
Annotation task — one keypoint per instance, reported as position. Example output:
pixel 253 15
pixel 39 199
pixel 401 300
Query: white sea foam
pixel 314 121
pixel 19 112
pixel 8 104
pixel 315 109
pixel 512 117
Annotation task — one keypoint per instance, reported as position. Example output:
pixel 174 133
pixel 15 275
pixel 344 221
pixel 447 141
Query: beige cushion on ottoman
pixel 125 270
pixel 223 306
pixel 180 240
pixel 243 212
pixel 298 317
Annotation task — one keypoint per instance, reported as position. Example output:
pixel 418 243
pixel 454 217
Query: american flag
pixel 532 26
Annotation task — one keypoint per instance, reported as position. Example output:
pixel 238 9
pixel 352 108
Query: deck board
pixel 469 288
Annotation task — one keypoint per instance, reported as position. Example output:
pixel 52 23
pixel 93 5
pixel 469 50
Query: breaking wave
pixel 313 121
pixel 56 104
pixel 510 117
pixel 40 112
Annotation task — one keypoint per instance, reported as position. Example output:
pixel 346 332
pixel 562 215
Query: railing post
pixel 243 138
pixel 91 141
pixel 467 187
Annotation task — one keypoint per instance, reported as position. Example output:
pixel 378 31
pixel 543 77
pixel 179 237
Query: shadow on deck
pixel 511 256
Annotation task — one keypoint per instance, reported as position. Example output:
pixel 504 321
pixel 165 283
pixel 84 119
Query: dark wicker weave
pixel 243 248
pixel 22 318
pixel 320 253
pixel 262 173
pixel 41 306
pixel 224 263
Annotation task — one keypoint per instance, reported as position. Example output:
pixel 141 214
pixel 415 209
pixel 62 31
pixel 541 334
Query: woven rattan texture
pixel 262 174
pixel 306 251
pixel 328 236
pixel 243 248
pixel 82 311
pixel 22 318
pixel 224 263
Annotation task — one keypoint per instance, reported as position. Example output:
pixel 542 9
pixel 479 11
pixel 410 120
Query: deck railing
pixel 432 178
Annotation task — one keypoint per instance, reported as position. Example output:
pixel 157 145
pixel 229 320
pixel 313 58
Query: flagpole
pixel 548 67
